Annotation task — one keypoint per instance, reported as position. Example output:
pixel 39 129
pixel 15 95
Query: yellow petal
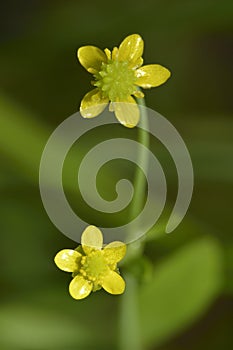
pixel 113 283
pixel 91 58
pixel 108 53
pixel 115 53
pixel 127 112
pixel 93 103
pixel 80 288
pixel 91 239
pixel 131 49
pixel 68 260
pixel 137 64
pixel 114 252
pixel 138 94
pixel 151 75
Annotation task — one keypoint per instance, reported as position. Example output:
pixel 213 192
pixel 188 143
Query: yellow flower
pixel 118 74
pixel 93 267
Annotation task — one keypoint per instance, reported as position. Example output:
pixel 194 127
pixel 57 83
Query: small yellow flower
pixel 118 74
pixel 93 267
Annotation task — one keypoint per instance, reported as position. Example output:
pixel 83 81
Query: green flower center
pixel 116 80
pixel 94 266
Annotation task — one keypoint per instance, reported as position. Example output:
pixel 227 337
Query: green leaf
pixel 23 138
pixel 28 327
pixel 183 287
pixel 48 318
pixel 228 255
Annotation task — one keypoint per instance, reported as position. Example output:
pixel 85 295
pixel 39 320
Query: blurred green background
pixel 185 300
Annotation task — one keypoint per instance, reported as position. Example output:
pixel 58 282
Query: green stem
pixel 140 176
pixel 130 337
pixel 139 180
pixel 129 332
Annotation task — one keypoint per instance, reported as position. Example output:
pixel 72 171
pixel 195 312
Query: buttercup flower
pixel 117 76
pixel 93 267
